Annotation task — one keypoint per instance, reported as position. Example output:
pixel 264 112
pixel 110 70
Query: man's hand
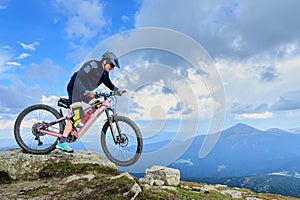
pixel 121 92
pixel 89 94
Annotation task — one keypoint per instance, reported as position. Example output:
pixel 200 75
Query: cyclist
pixel 87 78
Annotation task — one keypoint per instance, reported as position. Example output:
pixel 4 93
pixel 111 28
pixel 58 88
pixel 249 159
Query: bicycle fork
pixel 116 136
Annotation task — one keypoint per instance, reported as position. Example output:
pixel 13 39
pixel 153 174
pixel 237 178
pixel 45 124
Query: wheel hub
pixel 35 127
pixel 123 140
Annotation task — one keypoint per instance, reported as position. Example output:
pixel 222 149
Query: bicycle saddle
pixel 63 102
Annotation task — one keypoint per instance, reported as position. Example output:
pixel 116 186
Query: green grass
pixel 40 192
pixel 4 177
pixel 101 187
pixel 184 194
pixel 66 168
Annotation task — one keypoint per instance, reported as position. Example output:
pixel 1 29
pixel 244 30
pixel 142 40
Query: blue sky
pixel 254 47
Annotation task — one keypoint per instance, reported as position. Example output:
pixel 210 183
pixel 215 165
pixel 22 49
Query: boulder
pixel 233 193
pixel 160 175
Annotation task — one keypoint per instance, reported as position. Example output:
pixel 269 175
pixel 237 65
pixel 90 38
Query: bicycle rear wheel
pixel 27 135
pixel 129 146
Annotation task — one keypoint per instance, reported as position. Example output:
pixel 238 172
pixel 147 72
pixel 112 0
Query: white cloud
pixel 125 18
pixel 7 64
pixel 158 103
pixel 235 29
pixel 6 47
pixel 7 124
pixel 13 63
pixel 4 4
pixel 16 97
pixel 259 67
pixel 221 167
pixel 46 71
pixel 2 64
pixel 264 115
pixel 30 47
pixel 22 56
pixel 84 18
pixel 259 82
pixel 51 100
pixel 187 162
pixel 169 94
pixel 294 113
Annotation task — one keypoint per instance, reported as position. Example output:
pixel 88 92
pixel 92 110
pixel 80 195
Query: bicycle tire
pixel 24 129
pixel 126 122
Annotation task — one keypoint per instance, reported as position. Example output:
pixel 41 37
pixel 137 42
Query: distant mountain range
pixel 242 151
pixel 263 161
pixel 269 183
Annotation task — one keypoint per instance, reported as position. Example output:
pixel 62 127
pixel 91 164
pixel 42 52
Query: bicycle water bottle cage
pixel 65 103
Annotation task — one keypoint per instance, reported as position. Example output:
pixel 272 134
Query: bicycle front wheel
pixel 26 129
pixel 128 147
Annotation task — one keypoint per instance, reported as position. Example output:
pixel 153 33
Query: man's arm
pixel 107 82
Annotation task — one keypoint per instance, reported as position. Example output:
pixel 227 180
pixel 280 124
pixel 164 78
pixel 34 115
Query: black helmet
pixel 110 57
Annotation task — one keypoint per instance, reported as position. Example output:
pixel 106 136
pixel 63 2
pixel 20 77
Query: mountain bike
pixel 38 128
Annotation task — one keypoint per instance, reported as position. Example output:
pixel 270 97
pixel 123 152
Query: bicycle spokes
pixel 126 149
pixel 30 124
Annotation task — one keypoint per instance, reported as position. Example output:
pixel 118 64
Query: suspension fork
pixel 111 120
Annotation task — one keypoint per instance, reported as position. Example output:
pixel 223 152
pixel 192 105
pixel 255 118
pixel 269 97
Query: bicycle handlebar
pixel 106 95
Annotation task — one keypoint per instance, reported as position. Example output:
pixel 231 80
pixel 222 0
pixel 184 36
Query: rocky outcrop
pixel 59 175
pixel 20 165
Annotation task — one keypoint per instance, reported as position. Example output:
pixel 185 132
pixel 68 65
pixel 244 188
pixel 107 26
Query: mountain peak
pixel 241 128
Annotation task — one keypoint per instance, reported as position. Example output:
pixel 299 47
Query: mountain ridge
pixel 242 150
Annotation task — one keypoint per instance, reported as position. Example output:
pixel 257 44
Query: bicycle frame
pixel 78 134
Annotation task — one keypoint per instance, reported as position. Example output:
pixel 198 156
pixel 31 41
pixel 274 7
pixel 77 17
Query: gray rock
pixel 208 188
pixel 233 193
pixel 126 174
pixel 165 187
pixel 136 189
pixel 252 198
pixel 158 183
pixel 20 165
pixel 170 177
pixel 72 178
pixel 89 177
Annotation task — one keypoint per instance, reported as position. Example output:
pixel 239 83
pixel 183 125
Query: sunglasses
pixel 112 65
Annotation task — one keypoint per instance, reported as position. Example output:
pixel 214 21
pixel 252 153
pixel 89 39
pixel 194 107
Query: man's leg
pixel 63 145
pixel 68 129
pixel 74 96
pixel 76 119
